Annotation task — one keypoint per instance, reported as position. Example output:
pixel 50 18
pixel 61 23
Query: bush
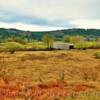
pixel 96 45
pixel 73 39
pixel 87 45
pixel 83 45
pixel 12 47
pixel 17 39
pixel 76 39
pixel 35 46
pixel 66 38
pixel 97 55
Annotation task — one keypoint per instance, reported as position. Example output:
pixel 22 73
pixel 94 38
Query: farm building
pixel 62 46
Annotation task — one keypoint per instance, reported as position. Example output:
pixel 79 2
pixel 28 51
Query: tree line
pixel 13 44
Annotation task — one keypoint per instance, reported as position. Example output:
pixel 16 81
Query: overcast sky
pixel 40 15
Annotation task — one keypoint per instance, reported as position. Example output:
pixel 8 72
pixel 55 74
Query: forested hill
pixel 6 33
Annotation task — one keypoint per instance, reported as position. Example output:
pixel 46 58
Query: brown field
pixel 56 72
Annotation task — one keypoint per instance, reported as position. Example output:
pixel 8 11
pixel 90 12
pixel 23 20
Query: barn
pixel 62 46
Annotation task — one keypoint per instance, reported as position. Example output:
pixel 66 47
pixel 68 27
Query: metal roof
pixel 63 43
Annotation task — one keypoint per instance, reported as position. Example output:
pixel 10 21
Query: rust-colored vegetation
pixel 48 75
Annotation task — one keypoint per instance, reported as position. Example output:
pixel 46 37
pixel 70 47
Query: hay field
pixel 40 67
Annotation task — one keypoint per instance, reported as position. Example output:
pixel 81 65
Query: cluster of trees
pixel 73 39
pixel 19 43
pixel 58 34
pixel 82 42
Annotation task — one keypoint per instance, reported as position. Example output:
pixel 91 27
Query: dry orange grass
pixel 77 67
pixel 48 65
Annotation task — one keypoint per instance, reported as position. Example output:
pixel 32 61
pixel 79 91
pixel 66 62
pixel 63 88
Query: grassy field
pixel 72 71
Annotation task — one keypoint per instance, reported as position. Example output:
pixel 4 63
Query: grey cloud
pixel 9 17
pixel 48 12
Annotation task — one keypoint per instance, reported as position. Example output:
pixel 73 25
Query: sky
pixel 46 15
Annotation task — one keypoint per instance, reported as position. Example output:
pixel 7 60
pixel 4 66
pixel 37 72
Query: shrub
pixel 17 39
pixel 12 47
pixel 83 45
pixel 73 39
pixel 96 45
pixel 87 45
pixel 35 46
pixel 97 55
pixel 76 39
pixel 66 38
pixel 1 47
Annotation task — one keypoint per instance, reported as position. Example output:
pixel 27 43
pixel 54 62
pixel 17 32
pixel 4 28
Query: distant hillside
pixel 5 33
